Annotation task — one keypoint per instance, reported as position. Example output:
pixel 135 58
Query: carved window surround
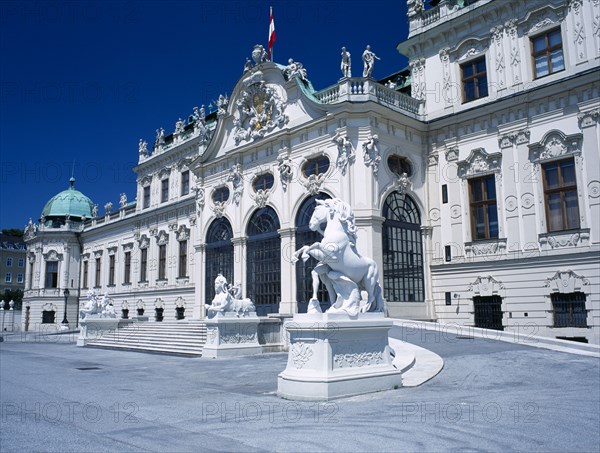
pixel 487 248
pixel 564 239
pixel 52 255
pixel 542 19
pixel 555 145
pixel 182 234
pixel 143 242
pixel 127 247
pixel 162 238
pixel 480 163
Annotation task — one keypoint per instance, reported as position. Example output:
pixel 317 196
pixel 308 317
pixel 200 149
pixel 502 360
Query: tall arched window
pixel 219 255
pixel 305 236
pixel 402 250
pixel 263 261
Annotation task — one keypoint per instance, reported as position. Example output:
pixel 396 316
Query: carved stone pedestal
pixel 93 328
pixel 230 336
pixel 333 356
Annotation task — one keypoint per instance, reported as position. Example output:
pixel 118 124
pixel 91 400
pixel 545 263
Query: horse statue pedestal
pixel 336 355
pixel 228 335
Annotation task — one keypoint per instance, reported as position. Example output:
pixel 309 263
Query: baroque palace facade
pixel 477 193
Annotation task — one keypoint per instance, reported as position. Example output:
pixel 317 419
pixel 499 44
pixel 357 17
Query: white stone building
pixel 478 195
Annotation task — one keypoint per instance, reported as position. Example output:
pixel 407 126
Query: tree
pixel 15 295
pixel 12 232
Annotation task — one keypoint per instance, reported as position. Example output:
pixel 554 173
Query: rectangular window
pixel 21 262
pixel 51 274
pixel 143 265
pixel 569 309
pixel 547 53
pixel 444 193
pixel 560 194
pixel 448 298
pixel 162 261
pixel 9 261
pixel 20 277
pixel 185 182
pixel 484 213
pixel 146 197
pixel 448 253
pixel 111 270
pixel 85 274
pixel 98 263
pixel 8 277
pixel 474 80
pixel 30 282
pixel 127 274
pixel 183 259
pixel 164 190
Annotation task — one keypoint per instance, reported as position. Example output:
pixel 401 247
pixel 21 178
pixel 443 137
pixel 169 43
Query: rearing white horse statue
pixel 341 268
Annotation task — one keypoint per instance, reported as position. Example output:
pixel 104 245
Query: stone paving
pixel 490 396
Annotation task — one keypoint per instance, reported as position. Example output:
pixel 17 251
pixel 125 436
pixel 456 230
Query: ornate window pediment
pixel 53 255
pixel 143 241
pixel 479 162
pixel 128 246
pixel 98 253
pixel 162 237
pixel 145 180
pixel 185 162
pixel 567 282
pixel 470 47
pixel 164 173
pixel 486 286
pixel 554 145
pixel 183 233
pixel 542 19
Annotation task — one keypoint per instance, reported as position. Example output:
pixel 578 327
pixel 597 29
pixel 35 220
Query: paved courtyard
pixel 490 396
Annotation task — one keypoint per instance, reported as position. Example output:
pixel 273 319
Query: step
pixel 153 349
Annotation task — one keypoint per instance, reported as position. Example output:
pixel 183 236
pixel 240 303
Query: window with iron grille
pixel 402 250
pixel 484 213
pixel 219 255
pixel 474 79
pixel 547 53
pixel 305 236
pixel 488 312
pixel 569 309
pixel 263 261
pixel 560 194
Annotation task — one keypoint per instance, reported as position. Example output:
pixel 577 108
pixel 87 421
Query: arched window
pixel 221 194
pixel 305 236
pixel 402 250
pixel 263 261
pixel 219 255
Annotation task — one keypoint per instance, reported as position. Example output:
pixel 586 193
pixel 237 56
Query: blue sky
pixel 83 81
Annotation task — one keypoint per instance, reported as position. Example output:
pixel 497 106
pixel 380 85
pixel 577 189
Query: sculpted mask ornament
pixel 341 268
pixel 260 109
pixel 313 183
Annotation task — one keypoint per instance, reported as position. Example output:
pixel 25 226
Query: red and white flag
pixel 271 34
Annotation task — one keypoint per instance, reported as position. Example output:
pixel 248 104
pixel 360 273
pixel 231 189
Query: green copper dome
pixel 69 202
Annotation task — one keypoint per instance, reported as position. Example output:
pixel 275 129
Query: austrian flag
pixel 271 34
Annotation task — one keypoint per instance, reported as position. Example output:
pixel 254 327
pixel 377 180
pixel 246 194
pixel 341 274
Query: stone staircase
pixel 168 337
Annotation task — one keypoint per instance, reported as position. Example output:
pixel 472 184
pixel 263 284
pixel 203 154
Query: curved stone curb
pixel 534 341
pixel 418 365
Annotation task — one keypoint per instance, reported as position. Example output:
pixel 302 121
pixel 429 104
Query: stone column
pixel 288 303
pixel 199 292
pixel 427 235
pixel 239 261
pixel 588 122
